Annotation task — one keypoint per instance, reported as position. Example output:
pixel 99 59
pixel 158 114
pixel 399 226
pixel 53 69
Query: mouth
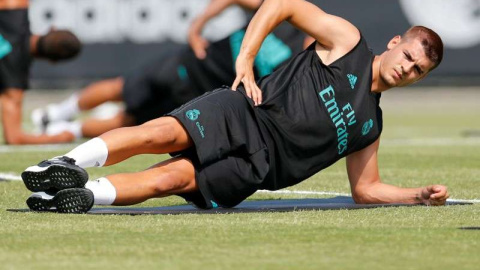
pixel 397 75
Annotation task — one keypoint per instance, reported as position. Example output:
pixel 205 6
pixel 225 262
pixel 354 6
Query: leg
pixel 159 136
pixel 92 96
pixel 167 178
pixel 174 176
pixel 11 110
pixel 100 92
pixel 96 127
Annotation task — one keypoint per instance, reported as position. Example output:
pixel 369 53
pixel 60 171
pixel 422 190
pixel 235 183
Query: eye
pixel 407 56
pixel 418 70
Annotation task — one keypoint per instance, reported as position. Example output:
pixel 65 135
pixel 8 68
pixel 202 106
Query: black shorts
pixel 229 153
pixel 159 86
pixel 14 49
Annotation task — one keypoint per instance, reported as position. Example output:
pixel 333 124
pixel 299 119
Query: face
pixel 403 63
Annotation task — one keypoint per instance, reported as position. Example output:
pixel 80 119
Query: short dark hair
pixel 59 45
pixel 431 42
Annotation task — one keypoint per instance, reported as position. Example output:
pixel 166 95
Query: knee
pixel 118 84
pixel 164 131
pixel 167 184
pixel 158 134
pixel 114 89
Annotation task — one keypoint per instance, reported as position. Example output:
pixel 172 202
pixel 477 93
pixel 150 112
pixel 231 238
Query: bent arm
pixel 329 30
pixel 366 186
pixel 11 104
pixel 215 7
pixel 333 33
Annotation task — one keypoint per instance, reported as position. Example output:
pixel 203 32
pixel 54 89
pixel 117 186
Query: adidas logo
pixel 352 79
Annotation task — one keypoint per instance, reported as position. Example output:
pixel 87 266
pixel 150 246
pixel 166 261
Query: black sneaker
pixel 57 173
pixel 71 200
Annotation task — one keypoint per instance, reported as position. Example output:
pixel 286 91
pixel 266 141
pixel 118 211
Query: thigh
pixel 229 181
pixel 220 122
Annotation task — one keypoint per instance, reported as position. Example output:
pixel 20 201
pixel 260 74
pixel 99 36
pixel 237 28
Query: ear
pixel 394 42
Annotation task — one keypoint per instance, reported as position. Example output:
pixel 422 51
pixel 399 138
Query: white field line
pixel 384 142
pixel 9 177
pixel 430 142
pixel 13 177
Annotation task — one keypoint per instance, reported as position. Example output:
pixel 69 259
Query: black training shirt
pixel 313 114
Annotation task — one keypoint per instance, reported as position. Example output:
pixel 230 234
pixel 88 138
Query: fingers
pixel 198 44
pixel 237 81
pixel 199 53
pixel 252 90
pixel 244 69
pixel 256 94
pixel 199 48
pixel 439 195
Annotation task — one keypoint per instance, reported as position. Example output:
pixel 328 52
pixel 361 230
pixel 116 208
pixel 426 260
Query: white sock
pixel 92 153
pixel 104 193
pixel 65 110
pixel 61 126
pixel 42 195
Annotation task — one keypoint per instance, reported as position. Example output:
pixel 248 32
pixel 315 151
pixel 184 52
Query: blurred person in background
pixel 17 49
pixel 171 79
pixel 321 106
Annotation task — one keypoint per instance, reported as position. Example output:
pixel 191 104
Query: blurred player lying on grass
pixel 17 49
pixel 172 78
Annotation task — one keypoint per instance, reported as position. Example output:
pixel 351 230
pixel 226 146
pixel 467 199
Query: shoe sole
pixel 73 200
pixel 55 176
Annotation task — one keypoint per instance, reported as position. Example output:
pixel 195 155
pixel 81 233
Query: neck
pixel 378 85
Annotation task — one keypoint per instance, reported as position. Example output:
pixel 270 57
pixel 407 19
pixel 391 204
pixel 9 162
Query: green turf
pixel 389 238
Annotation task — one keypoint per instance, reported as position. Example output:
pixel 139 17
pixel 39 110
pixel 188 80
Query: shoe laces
pixel 61 158
pixel 67 159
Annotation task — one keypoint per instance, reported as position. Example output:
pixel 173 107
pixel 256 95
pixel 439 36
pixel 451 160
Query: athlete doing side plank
pixel 321 106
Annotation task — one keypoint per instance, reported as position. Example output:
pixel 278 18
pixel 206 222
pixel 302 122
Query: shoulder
pixel 348 38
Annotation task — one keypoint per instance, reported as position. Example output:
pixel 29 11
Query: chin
pixel 389 81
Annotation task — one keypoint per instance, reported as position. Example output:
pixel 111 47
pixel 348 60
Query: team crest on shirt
pixel 367 127
pixel 192 114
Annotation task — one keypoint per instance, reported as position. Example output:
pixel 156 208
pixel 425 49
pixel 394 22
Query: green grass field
pixel 422 144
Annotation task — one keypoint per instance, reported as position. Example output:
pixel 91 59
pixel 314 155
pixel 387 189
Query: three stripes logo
pixel 352 79
pixel 5 47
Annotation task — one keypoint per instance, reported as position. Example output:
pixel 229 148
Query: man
pixel 321 106
pixel 171 79
pixel 17 47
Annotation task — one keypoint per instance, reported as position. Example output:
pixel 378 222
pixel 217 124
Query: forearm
pixel 212 10
pixel 11 111
pixel 215 7
pixel 384 193
pixel 269 15
pixel 23 138
pixel 14 135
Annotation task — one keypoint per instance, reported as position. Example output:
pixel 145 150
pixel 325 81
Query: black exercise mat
pixel 287 205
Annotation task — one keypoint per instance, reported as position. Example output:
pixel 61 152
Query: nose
pixel 407 67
